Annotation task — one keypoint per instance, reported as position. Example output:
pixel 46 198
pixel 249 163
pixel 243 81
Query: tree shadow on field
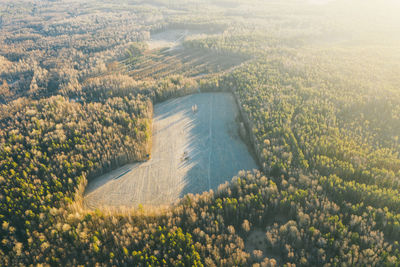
pixel 214 152
pixel 109 177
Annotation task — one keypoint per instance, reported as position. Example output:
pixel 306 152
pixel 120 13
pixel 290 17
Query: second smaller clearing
pixel 171 38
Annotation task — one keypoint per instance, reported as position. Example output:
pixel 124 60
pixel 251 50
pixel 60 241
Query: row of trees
pixel 298 121
pixel 49 147
pixel 295 222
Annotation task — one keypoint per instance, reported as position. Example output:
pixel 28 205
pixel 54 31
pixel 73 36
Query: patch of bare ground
pixel 172 38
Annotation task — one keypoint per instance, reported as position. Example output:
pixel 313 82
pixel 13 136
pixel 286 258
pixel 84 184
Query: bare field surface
pixel 168 38
pixel 171 38
pixel 193 151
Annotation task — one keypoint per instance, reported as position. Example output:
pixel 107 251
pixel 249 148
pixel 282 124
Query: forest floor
pixel 256 240
pixel 192 152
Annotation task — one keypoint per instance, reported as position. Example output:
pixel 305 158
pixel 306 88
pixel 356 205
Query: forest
pixel 317 85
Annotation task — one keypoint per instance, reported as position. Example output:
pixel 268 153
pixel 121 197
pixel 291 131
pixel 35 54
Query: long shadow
pixel 111 176
pixel 163 111
pixel 216 151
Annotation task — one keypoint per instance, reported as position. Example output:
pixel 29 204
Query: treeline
pixel 299 121
pixel 244 44
pixel 49 147
pixel 298 224
pixel 101 88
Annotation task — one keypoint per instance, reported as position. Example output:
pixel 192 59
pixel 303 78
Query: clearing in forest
pixel 166 55
pixel 169 38
pixel 190 62
pixel 196 147
pixel 173 38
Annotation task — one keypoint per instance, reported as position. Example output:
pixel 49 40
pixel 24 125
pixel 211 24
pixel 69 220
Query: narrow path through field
pixel 193 151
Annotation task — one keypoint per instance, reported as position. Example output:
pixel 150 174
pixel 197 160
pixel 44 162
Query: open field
pixel 192 153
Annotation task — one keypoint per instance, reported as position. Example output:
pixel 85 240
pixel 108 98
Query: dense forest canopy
pixel 317 83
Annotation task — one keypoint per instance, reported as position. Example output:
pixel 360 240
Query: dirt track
pixel 192 153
